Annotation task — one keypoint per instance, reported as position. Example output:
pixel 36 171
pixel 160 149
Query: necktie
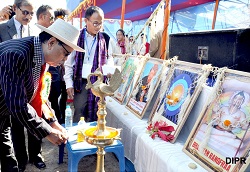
pixel 21 31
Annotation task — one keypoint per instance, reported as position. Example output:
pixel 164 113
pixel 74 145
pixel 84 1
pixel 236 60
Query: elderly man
pixel 21 70
pixel 45 17
pixel 18 27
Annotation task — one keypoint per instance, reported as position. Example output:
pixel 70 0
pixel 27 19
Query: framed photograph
pixel 220 139
pixel 129 71
pixel 145 87
pixel 179 90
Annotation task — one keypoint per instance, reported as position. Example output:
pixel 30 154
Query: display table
pixel 148 154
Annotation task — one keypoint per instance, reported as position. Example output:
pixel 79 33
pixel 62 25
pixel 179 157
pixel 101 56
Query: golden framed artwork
pixel 130 70
pixel 178 92
pixel 220 139
pixel 145 87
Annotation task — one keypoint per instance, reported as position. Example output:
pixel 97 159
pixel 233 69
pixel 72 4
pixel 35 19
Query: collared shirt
pixel 25 32
pixel 90 44
pixel 70 62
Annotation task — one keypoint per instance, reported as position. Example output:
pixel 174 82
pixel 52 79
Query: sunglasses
pixel 25 12
pixel 51 18
pixel 67 52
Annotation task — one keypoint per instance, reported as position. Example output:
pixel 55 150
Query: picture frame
pixel 179 89
pixel 144 89
pixel 220 139
pixel 130 72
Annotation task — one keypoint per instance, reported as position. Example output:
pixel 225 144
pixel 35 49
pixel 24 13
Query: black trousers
pixel 63 100
pixel 55 91
pixel 18 138
pixel 80 103
pixel 7 157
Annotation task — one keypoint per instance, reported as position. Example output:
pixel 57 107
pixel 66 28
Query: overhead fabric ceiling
pixel 134 9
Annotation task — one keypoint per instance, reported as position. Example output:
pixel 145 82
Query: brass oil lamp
pixel 101 135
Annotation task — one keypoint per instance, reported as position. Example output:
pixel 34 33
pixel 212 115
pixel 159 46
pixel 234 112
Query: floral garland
pixel 46 82
pixel 44 93
pixel 162 130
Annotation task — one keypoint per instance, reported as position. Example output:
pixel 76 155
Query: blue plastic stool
pixel 75 155
pixel 76 151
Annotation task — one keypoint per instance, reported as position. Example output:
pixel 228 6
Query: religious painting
pixel 179 92
pixel 128 74
pixel 220 139
pixel 145 87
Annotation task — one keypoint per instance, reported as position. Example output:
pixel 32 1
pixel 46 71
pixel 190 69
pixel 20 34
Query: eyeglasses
pixel 67 52
pixel 131 39
pixel 95 24
pixel 51 18
pixel 25 12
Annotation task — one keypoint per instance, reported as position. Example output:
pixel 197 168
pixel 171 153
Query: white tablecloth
pixel 150 155
pixel 120 117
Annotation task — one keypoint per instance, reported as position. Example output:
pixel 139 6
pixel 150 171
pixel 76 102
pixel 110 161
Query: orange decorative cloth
pixel 39 103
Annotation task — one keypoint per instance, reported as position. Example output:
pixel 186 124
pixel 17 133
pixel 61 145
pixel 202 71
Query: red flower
pixel 162 130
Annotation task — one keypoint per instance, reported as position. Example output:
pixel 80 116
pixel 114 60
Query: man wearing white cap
pixel 21 76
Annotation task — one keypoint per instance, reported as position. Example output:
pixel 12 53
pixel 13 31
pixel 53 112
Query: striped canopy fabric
pixel 134 10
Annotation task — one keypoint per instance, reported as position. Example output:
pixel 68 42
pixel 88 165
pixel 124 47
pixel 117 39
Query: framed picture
pixel 220 139
pixel 130 70
pixel 145 86
pixel 178 92
pixel 119 59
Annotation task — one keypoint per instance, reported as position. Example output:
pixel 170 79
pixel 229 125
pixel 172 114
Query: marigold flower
pixel 227 122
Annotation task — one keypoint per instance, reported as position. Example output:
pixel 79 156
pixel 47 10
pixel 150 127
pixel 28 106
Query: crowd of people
pixel 55 49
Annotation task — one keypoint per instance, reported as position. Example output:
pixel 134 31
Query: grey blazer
pixel 7 30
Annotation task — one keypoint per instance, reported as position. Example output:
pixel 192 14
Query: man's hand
pixel 109 75
pixel 57 126
pixel 56 137
pixel 70 92
pixel 5 13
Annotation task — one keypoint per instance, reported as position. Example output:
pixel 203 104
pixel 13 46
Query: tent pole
pixel 123 12
pixel 215 13
pixel 164 45
pixel 81 19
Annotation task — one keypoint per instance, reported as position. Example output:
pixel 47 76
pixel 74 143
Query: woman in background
pixel 121 46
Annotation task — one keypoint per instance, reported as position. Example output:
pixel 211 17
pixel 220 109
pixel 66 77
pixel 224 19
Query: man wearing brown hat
pixel 21 62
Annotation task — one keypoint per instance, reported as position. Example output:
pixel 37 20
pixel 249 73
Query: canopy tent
pixel 186 15
pixel 135 9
